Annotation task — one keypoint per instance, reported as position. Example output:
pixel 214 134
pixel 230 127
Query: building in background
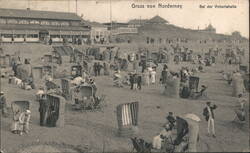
pixel 35 26
pixel 99 33
pixel 209 29
pixel 135 23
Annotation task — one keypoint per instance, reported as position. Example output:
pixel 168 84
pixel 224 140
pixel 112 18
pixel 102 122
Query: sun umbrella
pixel 192 117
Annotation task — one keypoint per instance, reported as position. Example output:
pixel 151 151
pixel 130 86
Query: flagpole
pixel 110 6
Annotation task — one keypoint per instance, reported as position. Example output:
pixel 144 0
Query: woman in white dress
pixel 147 77
pixel 153 76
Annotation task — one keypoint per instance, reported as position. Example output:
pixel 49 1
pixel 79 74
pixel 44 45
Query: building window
pixel 55 23
pixel 7 35
pixel 34 22
pixel 23 22
pixel 54 36
pixel 32 36
pixel 64 23
pixel 45 23
pixel 12 21
pixel 19 36
pixel 2 21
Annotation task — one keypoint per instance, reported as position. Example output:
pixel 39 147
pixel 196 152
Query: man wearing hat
pixel 208 112
pixel 3 105
pixel 170 118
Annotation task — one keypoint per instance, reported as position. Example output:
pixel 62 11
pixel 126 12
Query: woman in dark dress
pixel 52 118
pixel 185 92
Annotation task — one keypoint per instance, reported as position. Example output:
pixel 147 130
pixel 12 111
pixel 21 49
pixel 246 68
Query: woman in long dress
pixel 147 77
pixel 153 76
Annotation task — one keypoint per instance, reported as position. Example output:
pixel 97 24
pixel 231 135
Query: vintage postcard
pixel 80 76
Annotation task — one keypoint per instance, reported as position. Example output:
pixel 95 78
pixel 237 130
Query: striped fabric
pixel 127 114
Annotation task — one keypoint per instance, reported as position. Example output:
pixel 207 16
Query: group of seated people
pixel 20 122
pixel 85 102
pixel 26 84
pixel 190 89
pixel 49 87
pixel 173 135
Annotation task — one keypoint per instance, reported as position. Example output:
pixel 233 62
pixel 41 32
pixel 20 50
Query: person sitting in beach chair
pixel 141 146
pixel 40 93
pixel 21 117
pixel 201 94
pixel 117 79
pixel 239 110
pixel 160 140
pixel 126 81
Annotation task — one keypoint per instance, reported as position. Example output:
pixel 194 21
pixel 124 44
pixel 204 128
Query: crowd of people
pixel 184 129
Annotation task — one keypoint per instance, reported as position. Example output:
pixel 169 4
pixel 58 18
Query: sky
pixel 225 20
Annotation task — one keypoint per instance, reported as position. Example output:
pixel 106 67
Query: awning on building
pixel 23 32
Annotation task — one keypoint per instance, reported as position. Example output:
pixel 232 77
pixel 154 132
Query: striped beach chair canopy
pixel 127 114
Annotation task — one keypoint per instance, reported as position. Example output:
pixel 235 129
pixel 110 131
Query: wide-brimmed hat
pixel 1 92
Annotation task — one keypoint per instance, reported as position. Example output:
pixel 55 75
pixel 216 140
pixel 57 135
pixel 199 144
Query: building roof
pixel 116 23
pixel 93 24
pixel 43 27
pixel 137 21
pixel 157 19
pixel 35 14
pixel 210 27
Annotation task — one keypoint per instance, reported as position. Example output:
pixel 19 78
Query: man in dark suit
pixel 139 81
pixel 181 127
pixel 3 104
pixel 182 130
pixel 208 112
pixel 131 81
